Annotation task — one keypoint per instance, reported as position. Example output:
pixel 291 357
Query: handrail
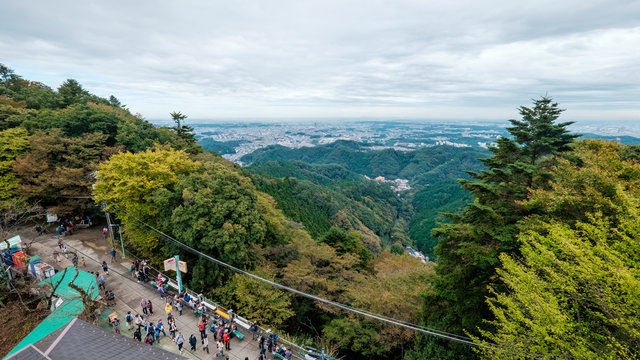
pixel 213 306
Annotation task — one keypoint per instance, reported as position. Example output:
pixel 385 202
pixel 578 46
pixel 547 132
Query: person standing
pixel 227 341
pixel 203 329
pixel 113 254
pixel 150 306
pixel 193 341
pixel 143 305
pixel 105 231
pixel 101 282
pixel 137 335
pixel 84 264
pixel 129 319
pixel 116 325
pixel 179 306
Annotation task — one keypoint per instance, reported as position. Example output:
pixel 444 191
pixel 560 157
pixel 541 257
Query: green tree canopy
pixel 469 248
pixel 574 291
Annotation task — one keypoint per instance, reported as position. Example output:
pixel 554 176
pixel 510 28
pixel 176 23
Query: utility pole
pixel 178 277
pixel 113 241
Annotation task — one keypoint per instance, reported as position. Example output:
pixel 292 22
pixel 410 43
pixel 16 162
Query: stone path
pixel 91 244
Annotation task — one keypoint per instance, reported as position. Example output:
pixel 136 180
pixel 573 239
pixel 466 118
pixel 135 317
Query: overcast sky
pixel 336 59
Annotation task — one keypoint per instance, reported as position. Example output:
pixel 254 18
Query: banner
pixel 182 266
pixel 170 264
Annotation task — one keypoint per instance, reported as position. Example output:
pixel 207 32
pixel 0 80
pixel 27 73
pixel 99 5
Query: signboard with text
pixel 170 264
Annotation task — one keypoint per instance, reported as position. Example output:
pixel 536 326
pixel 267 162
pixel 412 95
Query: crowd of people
pixel 209 326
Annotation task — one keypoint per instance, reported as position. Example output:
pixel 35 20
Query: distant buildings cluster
pixel 418 254
pixel 397 185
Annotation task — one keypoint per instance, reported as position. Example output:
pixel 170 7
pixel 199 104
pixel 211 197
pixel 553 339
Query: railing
pixel 213 306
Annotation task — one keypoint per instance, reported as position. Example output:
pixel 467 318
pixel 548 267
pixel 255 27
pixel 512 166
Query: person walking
pixel 172 328
pixel 193 341
pixel 168 309
pixel 143 305
pixel 220 347
pixel 160 327
pixel 74 260
pixel 105 231
pixel 150 306
pixel 205 344
pixel 180 342
pixel 113 254
pixel 84 264
pixel 105 267
pixel 101 282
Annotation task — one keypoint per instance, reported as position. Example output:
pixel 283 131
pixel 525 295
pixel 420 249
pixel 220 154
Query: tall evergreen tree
pixel 469 248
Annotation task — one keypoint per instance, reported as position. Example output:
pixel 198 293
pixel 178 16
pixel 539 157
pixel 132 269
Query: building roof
pixel 84 280
pixel 81 340
pixel 70 307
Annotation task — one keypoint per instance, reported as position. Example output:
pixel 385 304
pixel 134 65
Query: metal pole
pixel 113 242
pixel 121 243
pixel 178 277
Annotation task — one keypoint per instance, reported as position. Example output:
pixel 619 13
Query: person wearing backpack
pixel 214 331
pixel 180 341
pixel 203 329
pixel 129 319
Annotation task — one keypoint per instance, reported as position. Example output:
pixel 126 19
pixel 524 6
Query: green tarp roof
pixel 69 309
pixel 84 280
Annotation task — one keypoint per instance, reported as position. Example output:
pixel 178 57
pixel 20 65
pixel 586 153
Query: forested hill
pixel 324 174
pixel 421 166
pixel 322 196
pixel 432 173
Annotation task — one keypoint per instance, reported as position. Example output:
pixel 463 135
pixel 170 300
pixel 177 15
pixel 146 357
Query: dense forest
pixel 432 172
pixel 541 262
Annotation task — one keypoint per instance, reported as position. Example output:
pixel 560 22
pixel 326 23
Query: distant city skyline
pixel 356 60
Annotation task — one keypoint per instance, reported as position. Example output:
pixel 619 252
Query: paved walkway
pixel 90 244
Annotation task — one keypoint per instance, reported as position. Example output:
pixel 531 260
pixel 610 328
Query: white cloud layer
pixel 370 58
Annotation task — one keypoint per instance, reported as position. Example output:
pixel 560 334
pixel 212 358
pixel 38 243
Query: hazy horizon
pixel 333 59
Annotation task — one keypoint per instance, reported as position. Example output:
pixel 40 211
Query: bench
pixel 238 334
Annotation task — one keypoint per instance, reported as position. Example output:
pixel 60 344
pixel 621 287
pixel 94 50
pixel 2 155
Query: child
pixel 84 264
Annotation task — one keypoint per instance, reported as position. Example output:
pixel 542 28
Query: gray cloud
pixel 402 59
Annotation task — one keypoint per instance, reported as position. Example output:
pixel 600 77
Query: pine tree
pixel 470 246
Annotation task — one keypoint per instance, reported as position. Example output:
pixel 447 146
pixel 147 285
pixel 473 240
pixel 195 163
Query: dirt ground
pixel 17 322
